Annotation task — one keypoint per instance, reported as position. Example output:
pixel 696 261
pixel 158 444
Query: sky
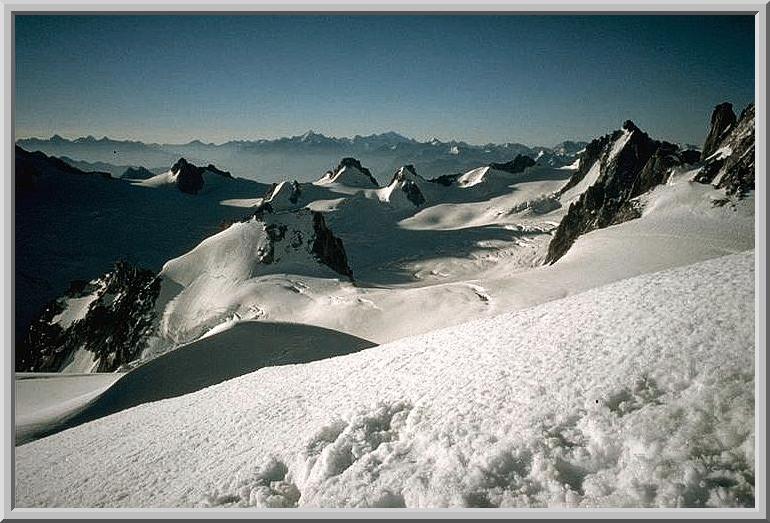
pixel 531 79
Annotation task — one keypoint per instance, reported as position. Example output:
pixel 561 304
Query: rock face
pixel 722 120
pixel 630 164
pixel 189 177
pixel 109 317
pixel 325 247
pixel 730 166
pixel 446 179
pixel 407 180
pixel 515 166
pixel 328 248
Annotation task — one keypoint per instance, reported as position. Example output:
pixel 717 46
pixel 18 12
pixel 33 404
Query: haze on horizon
pixel 536 80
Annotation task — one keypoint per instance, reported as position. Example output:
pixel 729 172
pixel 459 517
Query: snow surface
pixel 50 403
pixel 44 399
pixel 648 401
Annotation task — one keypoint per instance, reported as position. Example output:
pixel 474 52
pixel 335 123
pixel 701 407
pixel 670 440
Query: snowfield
pixel 638 393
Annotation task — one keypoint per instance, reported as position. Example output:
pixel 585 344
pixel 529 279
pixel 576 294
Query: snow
pixel 721 153
pixel 348 176
pixel 588 180
pixel 228 273
pixel 75 309
pixel 82 361
pixel 474 176
pixel 574 166
pixel 620 142
pixel 648 401
pixel 44 399
pixel 281 196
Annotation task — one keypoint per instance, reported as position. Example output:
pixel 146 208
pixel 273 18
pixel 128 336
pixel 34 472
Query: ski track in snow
pixel 648 401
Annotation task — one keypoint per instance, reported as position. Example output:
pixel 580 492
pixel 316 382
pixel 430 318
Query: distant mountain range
pixel 302 157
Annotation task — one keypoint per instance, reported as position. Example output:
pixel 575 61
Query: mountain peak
pixel 629 126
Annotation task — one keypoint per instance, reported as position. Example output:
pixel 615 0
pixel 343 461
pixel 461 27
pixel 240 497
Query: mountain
pixel 189 178
pixel 300 157
pixel 405 186
pixel 137 173
pixel 413 231
pixel 146 313
pixel 351 173
pixel 549 328
pixel 731 164
pixel 90 149
pixel 617 169
pixel 74 225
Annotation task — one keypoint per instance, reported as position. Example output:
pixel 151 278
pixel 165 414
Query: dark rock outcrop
pixel 722 120
pixel 406 178
pixel 446 179
pixel 514 166
pixel 328 248
pixel 732 169
pixel 658 168
pixel 622 177
pixel 114 328
pixel 189 177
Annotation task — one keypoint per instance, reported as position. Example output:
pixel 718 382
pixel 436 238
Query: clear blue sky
pixel 531 79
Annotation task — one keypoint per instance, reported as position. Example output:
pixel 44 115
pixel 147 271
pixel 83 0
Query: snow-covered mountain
pixel 350 173
pixel 132 314
pixel 189 178
pixel 74 225
pixel 618 168
pixel 606 287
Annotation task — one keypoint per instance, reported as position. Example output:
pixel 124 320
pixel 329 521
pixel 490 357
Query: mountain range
pixel 478 326
pixel 297 157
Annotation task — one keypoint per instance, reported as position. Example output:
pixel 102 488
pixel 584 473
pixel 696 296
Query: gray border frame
pixel 756 7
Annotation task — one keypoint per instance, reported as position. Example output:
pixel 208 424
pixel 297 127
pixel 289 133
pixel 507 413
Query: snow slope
pixel 457 262
pixel 48 403
pixel 44 400
pixel 639 393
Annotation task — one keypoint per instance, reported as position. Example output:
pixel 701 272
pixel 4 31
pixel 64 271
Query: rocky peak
pixel 189 177
pixel 114 326
pixel 284 193
pixel 630 163
pixel 403 173
pixel 630 126
pixel 407 180
pixel 731 164
pixel 722 120
pixel 325 246
pixel 351 163
pixel 517 165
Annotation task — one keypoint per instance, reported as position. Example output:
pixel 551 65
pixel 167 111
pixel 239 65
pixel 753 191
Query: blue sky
pixel 530 79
